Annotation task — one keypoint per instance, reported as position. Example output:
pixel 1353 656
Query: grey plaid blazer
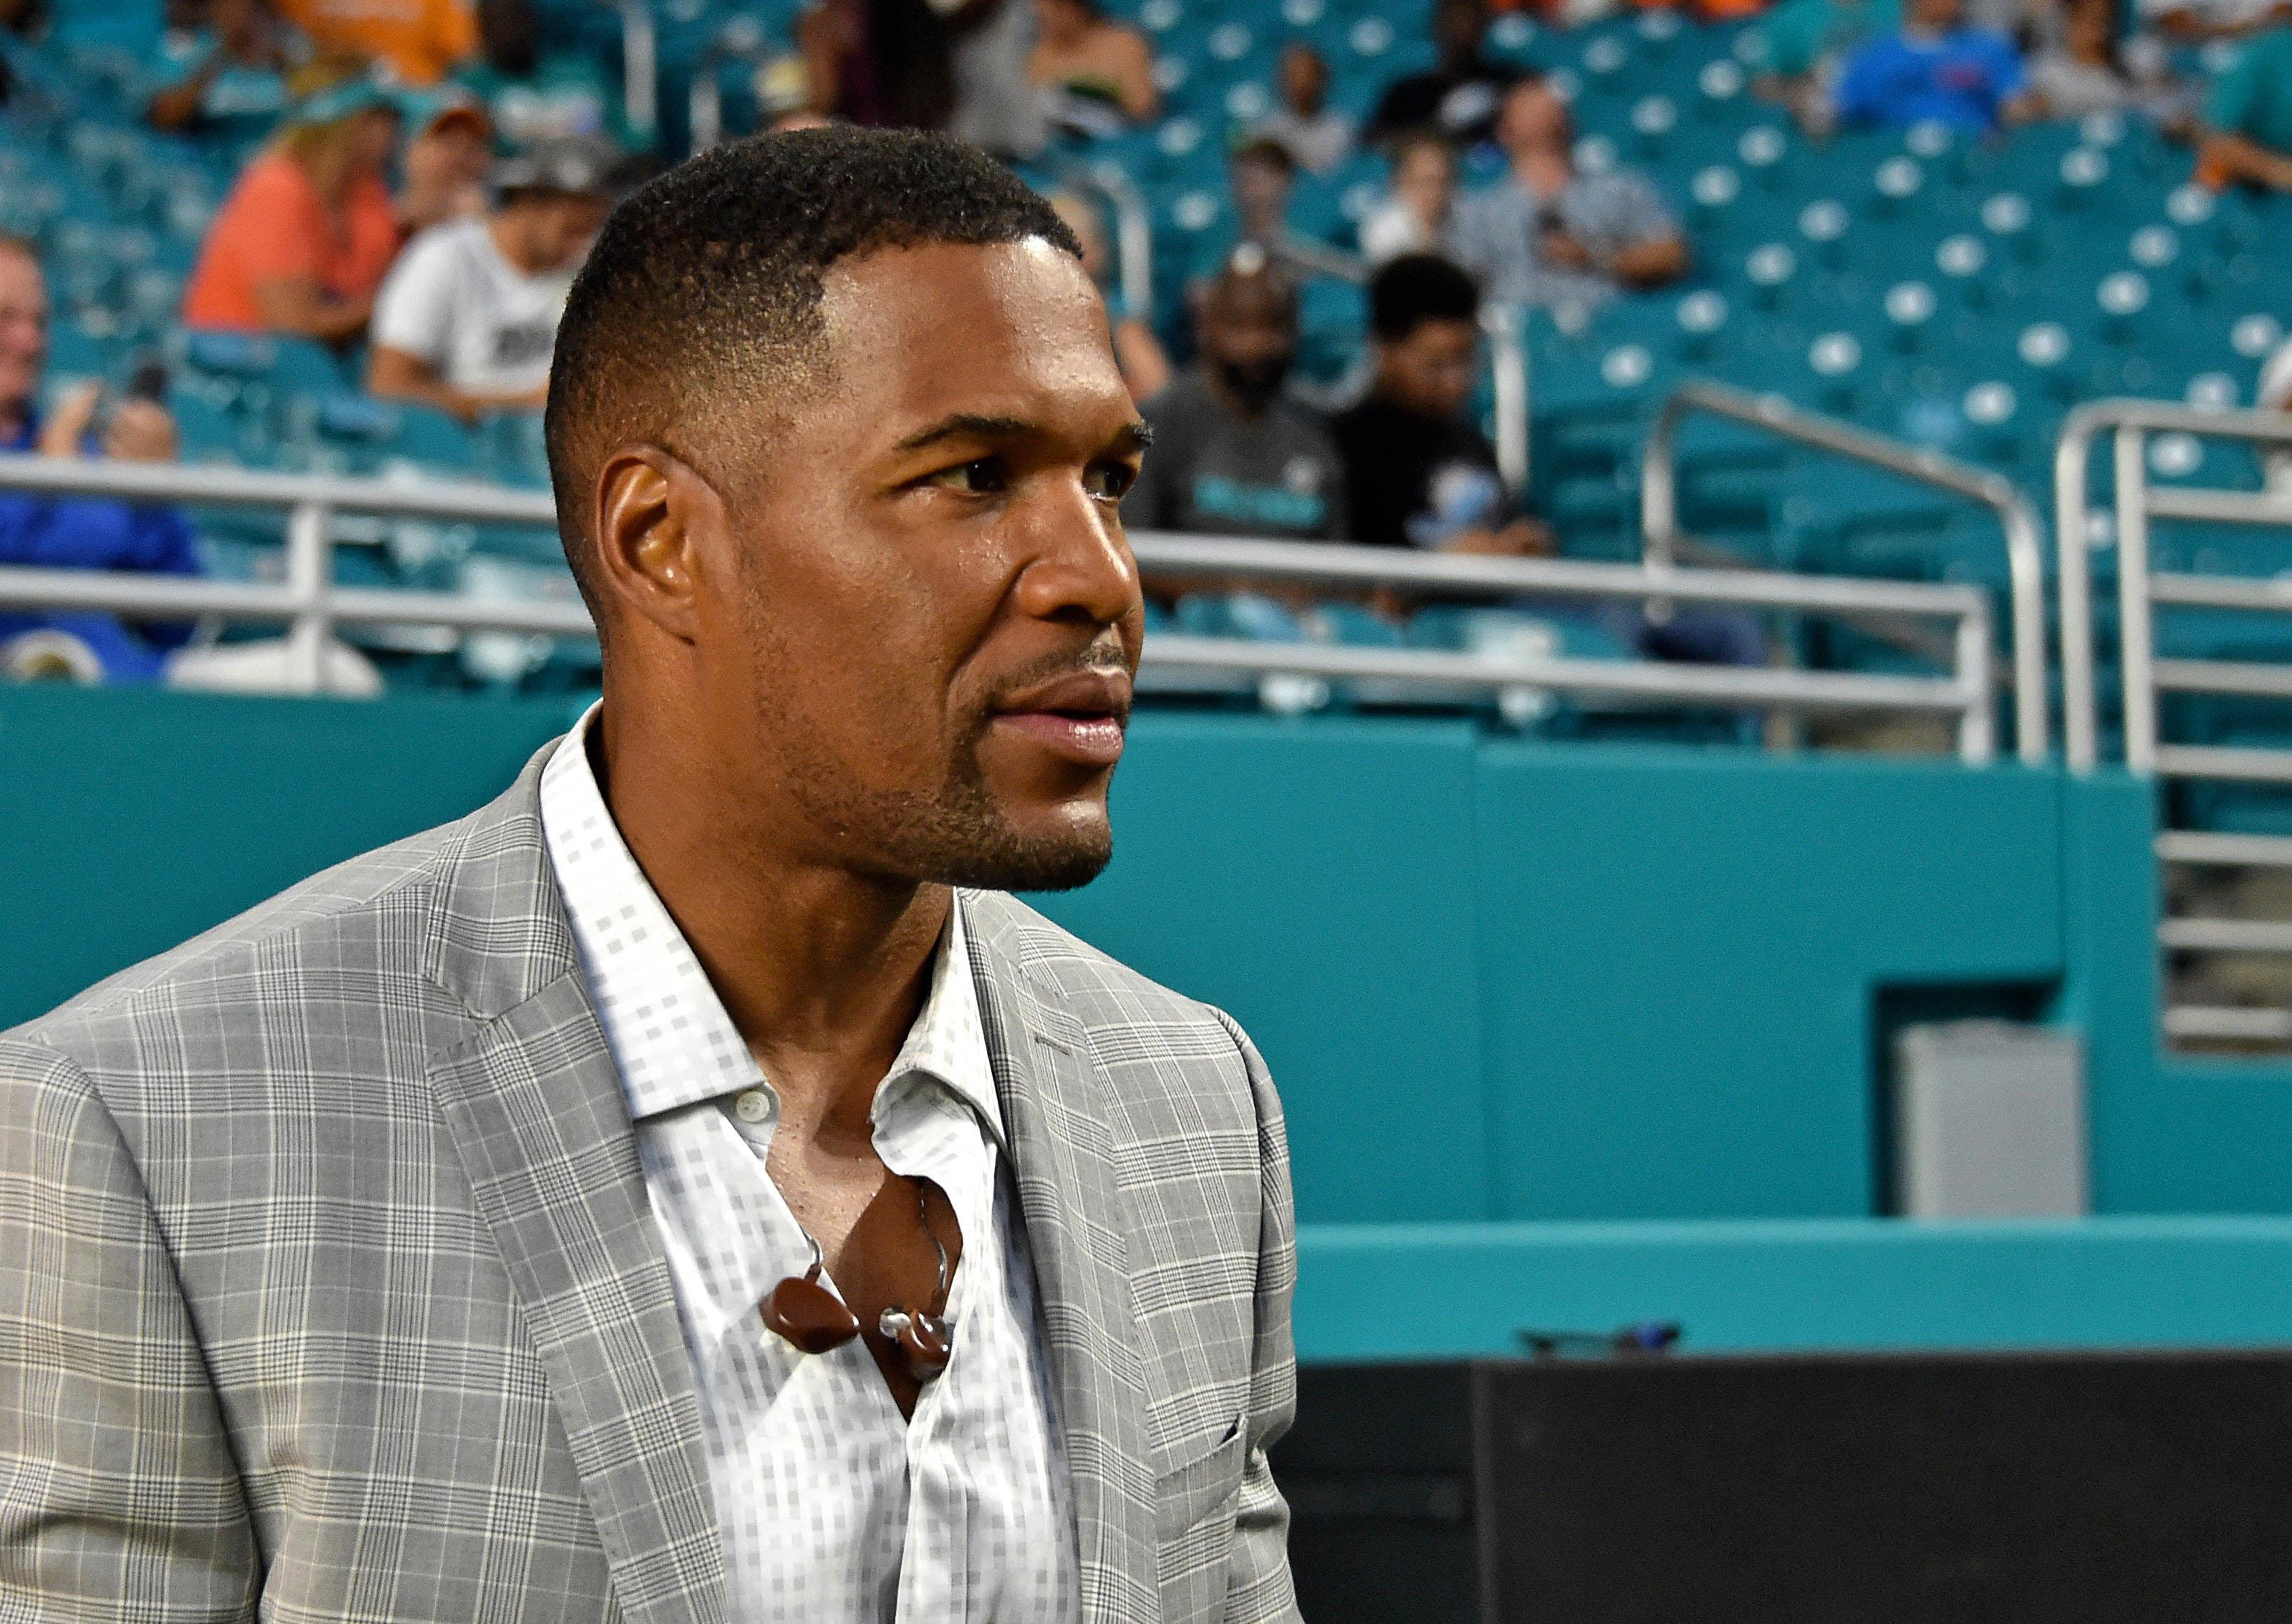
pixel 328 1288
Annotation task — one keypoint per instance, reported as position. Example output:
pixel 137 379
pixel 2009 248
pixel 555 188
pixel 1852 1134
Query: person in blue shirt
pixel 78 532
pixel 1934 69
pixel 2248 117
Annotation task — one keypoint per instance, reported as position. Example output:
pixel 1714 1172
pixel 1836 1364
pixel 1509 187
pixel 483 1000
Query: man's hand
pixel 140 432
pixel 1523 538
pixel 67 425
pixel 1564 253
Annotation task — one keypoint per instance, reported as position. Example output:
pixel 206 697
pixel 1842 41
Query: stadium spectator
pixel 2076 71
pixel 532 92
pixel 78 532
pixel 468 318
pixel 224 75
pixel 1801 43
pixel 881 63
pixel 421 41
pixel 1232 455
pixel 1094 73
pixel 1549 234
pixel 1317 136
pixel 1417 214
pixel 995 107
pixel 2248 117
pixel 1460 95
pixel 1145 364
pixel 309 232
pixel 446 156
pixel 1418 472
pixel 1935 69
pixel 1263 178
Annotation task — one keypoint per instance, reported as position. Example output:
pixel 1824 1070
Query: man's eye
pixel 979 478
pixel 1110 481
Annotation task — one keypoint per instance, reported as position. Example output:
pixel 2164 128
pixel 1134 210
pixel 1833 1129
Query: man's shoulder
pixel 355 938
pixel 1103 994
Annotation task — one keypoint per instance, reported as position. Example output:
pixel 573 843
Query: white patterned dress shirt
pixel 835 1510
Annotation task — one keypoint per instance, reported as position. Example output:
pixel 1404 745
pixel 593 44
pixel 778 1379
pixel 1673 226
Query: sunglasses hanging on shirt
pixel 814 1320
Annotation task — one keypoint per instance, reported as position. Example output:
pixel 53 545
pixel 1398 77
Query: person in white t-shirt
pixel 468 318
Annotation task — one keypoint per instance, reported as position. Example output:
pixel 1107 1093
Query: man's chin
pixel 1059 855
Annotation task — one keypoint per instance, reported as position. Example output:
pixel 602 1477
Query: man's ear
pixel 652 511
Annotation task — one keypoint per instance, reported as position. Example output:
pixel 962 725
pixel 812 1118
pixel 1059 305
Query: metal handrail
pixel 741 39
pixel 640 68
pixel 312 604
pixel 1133 231
pixel 2025 559
pixel 2072 460
pixel 1508 371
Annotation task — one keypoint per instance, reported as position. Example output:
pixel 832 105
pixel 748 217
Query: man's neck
pixel 1232 399
pixel 822 970
pixel 510 244
pixel 15 418
pixel 1543 173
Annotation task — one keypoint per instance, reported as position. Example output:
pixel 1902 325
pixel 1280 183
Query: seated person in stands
pixel 1232 455
pixel 224 76
pixel 1460 95
pixel 1418 472
pixel 1801 43
pixel 467 320
pixel 533 94
pixel 1417 211
pixel 77 532
pixel 307 235
pixel 418 41
pixel 1316 135
pixel 1548 234
pixel 1263 177
pixel 1095 75
pixel 2247 117
pixel 1934 69
pixel 2078 72
pixel 1145 364
pixel 448 153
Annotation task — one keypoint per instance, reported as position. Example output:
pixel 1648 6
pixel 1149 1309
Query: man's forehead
pixel 1015 330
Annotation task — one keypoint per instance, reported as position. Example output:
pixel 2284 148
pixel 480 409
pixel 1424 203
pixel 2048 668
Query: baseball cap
pixel 578 166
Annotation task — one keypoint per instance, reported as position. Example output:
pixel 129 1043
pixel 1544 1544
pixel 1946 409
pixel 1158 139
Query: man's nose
pixel 1078 566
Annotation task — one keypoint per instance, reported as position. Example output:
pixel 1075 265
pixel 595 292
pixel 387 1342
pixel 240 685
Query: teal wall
pixel 1497 981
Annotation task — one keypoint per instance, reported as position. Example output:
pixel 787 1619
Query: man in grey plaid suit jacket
pixel 332 1281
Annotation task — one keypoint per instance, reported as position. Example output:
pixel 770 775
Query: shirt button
pixel 753 1106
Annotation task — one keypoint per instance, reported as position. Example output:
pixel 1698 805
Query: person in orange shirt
pixel 421 40
pixel 301 244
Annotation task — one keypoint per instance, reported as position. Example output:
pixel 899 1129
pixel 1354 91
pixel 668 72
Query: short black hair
pixel 704 286
pixel 1416 288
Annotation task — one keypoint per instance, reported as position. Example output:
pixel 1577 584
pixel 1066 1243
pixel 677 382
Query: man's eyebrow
pixel 1135 435
pixel 967 425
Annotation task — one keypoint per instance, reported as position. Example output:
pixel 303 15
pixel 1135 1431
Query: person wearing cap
pixel 310 229
pixel 468 318
pixel 449 147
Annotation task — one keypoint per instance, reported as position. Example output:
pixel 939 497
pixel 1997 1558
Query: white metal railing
pixel 2142 591
pixel 2025 556
pixel 640 68
pixel 312 604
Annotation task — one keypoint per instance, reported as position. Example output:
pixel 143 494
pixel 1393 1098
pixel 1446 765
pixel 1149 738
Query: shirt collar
pixel 673 1042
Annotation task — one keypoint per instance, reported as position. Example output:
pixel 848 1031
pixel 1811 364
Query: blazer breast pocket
pixel 1195 1489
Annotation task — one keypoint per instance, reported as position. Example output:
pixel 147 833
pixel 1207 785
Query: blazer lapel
pixel 534 1105
pixel 1077 1230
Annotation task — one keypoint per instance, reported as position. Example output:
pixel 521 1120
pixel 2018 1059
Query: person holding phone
pixel 80 531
